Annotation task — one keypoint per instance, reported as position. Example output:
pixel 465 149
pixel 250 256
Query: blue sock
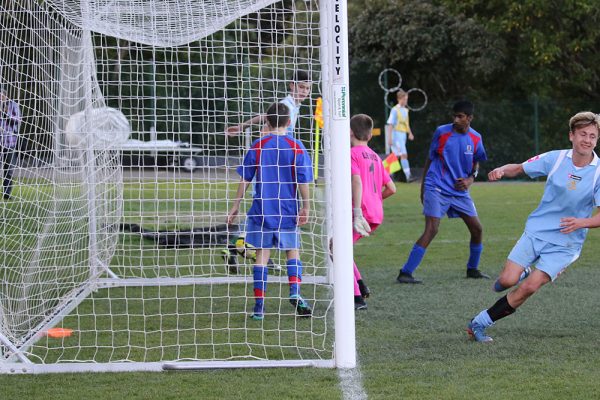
pixel 474 255
pixel 483 318
pixel 294 271
pixel 414 259
pixel 261 275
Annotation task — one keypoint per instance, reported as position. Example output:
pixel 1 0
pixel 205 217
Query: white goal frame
pixel 336 108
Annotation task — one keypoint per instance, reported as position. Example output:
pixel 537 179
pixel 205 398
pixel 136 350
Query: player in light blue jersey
pixel 556 229
pixel 300 88
pixel 454 155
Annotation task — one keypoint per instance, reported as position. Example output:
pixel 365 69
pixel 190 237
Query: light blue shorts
pixel 436 204
pixel 267 238
pixel 399 143
pixel 548 257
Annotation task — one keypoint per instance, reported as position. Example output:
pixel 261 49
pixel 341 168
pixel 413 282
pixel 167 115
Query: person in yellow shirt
pixel 398 130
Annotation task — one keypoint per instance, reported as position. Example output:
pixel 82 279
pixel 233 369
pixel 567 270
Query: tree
pixel 446 55
pixel 553 45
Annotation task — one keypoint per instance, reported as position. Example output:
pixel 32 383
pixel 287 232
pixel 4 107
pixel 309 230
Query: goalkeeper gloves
pixel 359 222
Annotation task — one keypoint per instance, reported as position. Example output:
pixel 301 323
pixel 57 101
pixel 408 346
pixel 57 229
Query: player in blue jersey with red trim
pixel 450 169
pixel 555 231
pixel 282 168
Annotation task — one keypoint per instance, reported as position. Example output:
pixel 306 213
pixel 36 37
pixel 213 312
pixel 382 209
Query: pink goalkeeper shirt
pixel 367 164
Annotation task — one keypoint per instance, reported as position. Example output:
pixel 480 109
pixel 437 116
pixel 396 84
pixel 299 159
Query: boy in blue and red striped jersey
pixel 282 168
pixel 454 155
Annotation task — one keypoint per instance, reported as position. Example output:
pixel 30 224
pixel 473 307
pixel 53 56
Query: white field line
pixel 351 384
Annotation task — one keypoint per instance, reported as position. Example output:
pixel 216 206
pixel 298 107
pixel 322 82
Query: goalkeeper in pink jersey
pixel 370 185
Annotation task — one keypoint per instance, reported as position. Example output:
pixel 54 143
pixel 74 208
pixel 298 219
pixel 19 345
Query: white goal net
pixel 115 251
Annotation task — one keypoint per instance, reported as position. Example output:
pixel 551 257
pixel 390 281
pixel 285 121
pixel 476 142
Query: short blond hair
pixel 400 94
pixel 584 118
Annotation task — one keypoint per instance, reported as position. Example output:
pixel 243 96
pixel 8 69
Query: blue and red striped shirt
pixel 279 163
pixel 453 156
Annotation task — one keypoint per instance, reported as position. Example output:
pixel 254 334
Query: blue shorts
pixel 436 204
pixel 399 143
pixel 548 257
pixel 267 238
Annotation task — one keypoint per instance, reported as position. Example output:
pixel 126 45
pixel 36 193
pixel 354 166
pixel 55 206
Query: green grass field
pixel 411 341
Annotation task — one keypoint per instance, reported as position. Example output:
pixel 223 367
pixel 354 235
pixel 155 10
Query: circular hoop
pixel 386 101
pixel 383 73
pixel 424 99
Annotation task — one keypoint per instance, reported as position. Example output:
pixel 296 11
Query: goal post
pixel 114 262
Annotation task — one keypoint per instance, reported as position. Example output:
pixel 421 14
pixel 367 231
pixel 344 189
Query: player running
pixel 556 229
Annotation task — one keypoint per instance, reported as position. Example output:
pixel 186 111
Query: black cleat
pixel 302 307
pixel 359 303
pixel 365 292
pixel 407 278
pixel 476 274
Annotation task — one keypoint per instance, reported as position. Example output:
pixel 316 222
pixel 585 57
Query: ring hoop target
pixel 422 94
pixel 383 74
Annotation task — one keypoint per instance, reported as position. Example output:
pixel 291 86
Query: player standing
pixel 556 230
pixel 454 155
pixel 282 167
pixel 398 129
pixel 299 90
pixel 368 179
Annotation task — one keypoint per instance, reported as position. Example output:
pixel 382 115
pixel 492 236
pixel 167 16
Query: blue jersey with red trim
pixel 279 163
pixel 453 156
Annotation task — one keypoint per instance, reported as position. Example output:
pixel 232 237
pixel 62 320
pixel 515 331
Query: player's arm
pixel 506 171
pixel 359 223
pixel 388 128
pixel 425 169
pixel 304 211
pixel 356 191
pixel 571 224
pixel 237 129
pixel 410 134
pixel 465 183
pixel 388 189
pixel 241 190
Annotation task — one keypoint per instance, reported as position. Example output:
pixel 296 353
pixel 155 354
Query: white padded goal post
pixel 113 261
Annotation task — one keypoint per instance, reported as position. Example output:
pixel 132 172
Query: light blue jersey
pixel 570 192
pixel 294 112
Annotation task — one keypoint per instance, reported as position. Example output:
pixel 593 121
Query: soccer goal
pixel 114 263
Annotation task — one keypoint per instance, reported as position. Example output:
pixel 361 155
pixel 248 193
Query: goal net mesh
pixel 124 177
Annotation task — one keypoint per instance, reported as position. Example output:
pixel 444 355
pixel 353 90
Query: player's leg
pixel 417 253
pixel 263 242
pixel 289 240
pixel 552 260
pixel 505 306
pixel 435 205
pixel 260 274
pixel 361 291
pixel 475 246
pixel 404 156
pixel 511 274
pixel 8 156
pixel 517 267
